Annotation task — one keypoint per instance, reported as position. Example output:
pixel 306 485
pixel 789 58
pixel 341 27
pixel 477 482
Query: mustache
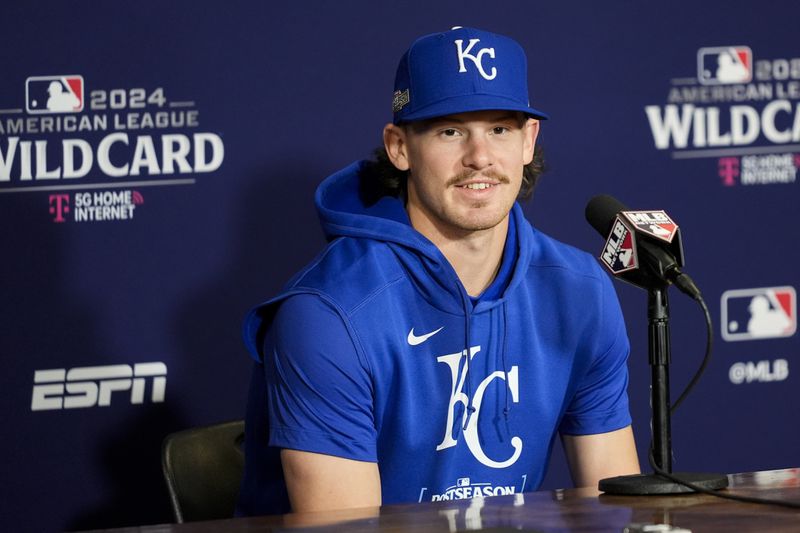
pixel 468 174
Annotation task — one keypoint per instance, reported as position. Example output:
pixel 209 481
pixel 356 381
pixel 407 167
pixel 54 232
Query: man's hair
pixel 379 177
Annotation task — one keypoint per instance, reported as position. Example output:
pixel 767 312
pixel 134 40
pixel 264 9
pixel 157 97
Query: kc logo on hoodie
pixel 457 395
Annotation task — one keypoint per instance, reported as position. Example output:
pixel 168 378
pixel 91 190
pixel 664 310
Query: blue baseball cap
pixel 461 70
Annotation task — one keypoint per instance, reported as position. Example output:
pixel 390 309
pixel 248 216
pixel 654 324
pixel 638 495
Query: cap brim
pixel 466 104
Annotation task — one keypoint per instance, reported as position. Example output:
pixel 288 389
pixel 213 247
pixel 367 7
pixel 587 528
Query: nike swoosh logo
pixel 413 340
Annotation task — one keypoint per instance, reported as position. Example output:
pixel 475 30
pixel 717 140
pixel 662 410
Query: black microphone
pixel 642 247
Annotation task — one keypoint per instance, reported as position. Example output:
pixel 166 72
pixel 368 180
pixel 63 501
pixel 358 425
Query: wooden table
pixel 547 511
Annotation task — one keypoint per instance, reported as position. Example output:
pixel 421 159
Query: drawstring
pixel 507 408
pixel 470 408
pixel 468 384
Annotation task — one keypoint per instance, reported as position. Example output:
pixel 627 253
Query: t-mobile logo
pixel 729 170
pixel 59 205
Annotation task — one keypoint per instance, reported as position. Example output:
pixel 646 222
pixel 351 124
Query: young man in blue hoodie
pixel 439 344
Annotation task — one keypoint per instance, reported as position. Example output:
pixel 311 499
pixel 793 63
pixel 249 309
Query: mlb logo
pixel 619 254
pixel 724 65
pixel 462 482
pixel 653 223
pixel 54 94
pixel 764 313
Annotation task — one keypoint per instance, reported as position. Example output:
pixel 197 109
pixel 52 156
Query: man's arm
pixel 594 457
pixel 317 482
pixel 320 408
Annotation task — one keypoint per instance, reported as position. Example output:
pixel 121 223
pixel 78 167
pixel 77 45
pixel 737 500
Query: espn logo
pixel 762 313
pixel 724 65
pixel 88 386
pixel 54 94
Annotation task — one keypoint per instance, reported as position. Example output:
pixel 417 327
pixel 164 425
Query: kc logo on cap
pixel 458 71
pixel 477 59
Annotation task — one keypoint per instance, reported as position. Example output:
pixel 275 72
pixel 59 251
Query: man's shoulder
pixel 348 271
pixel 551 253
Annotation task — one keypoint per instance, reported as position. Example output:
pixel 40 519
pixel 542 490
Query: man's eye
pixel 449 132
pixel 499 130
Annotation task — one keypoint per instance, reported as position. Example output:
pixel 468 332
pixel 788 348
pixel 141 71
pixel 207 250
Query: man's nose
pixel 477 153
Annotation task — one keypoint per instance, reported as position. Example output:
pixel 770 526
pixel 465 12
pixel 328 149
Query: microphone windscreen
pixel 601 211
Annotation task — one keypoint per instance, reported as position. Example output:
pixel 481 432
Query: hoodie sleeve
pixel 600 403
pixel 318 387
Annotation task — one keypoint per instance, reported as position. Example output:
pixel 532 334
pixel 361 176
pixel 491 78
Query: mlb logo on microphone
pixel 54 94
pixel 763 313
pixel 722 65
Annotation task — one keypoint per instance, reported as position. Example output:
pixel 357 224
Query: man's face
pixel 465 169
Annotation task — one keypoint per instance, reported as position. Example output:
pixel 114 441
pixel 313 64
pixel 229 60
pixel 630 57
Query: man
pixel 439 343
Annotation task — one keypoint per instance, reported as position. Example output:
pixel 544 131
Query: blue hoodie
pixel 364 356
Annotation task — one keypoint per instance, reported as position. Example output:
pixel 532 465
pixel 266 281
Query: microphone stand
pixel 658 336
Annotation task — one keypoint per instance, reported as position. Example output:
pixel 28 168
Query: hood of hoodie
pixel 343 213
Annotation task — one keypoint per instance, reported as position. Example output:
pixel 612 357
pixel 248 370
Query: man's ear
pixel 394 141
pixel 531 132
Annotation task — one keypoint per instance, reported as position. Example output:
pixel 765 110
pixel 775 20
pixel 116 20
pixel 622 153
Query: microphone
pixel 642 247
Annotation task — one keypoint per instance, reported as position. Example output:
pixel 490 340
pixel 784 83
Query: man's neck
pixel 475 255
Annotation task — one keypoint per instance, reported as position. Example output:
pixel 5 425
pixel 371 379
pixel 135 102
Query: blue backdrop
pixel 157 166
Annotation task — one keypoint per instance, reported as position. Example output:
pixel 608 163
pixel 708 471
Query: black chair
pixel 203 468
